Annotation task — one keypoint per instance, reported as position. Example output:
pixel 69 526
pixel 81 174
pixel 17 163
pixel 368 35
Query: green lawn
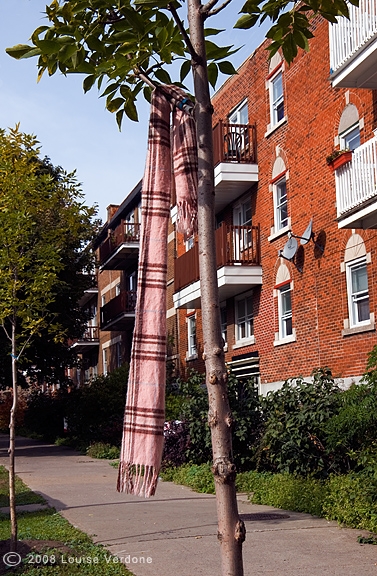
pixel 50 545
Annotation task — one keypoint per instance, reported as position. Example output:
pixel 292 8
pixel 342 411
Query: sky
pixel 74 129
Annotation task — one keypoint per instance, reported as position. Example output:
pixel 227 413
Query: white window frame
pixel 354 322
pixel 278 222
pixel 237 116
pixel 343 137
pixel 224 325
pixel 276 102
pixel 104 361
pixel 285 317
pixel 247 319
pixel 117 289
pixel 192 351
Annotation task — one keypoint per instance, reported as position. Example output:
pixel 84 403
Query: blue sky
pixel 73 128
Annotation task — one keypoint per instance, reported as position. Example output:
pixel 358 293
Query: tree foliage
pixel 132 43
pixel 44 230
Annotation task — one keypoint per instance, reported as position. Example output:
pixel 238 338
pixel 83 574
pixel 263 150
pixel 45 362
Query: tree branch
pixel 6 332
pixel 185 36
pixel 207 7
pixel 217 10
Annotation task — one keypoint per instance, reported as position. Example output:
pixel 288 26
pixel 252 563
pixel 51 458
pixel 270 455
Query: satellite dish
pixel 307 235
pixel 289 249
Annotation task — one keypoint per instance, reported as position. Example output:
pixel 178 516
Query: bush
pixel 44 414
pixel 294 438
pixel 104 451
pixel 176 443
pixel 197 477
pixel 245 407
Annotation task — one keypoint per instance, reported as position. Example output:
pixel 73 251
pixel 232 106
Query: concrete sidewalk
pixel 174 533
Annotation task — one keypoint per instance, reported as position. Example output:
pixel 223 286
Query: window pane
pixel 359 278
pixel 277 87
pixel 363 310
pixel 352 139
pixel 281 205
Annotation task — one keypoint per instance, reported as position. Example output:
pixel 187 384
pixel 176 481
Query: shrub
pixel 294 438
pixel 44 414
pixel 176 443
pixel 245 407
pixel 196 477
pixel 95 411
pixel 103 451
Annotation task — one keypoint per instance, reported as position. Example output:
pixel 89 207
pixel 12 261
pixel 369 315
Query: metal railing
pixel 234 143
pixel 356 182
pixel 238 245
pixel 347 36
pixel 124 232
pixel 124 303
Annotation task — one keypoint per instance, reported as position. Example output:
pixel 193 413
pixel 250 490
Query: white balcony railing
pixel 347 36
pixel 356 182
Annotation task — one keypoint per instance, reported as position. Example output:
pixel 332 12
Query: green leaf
pixel 213 72
pixel 119 118
pixel 155 3
pixel 185 69
pixel 130 110
pixel 67 52
pixel 49 46
pixel 18 51
pixel 114 105
pixel 247 21
pixel 110 89
pixel 227 68
pixel 88 82
pixel 162 76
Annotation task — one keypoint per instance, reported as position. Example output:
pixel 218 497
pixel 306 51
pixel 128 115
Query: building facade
pixel 296 237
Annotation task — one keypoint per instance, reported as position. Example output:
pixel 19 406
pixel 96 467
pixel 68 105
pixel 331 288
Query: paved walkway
pixel 174 533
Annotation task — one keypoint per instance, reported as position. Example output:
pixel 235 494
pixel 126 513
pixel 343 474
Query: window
pixel 276 98
pixel 118 354
pixel 285 311
pixel 191 333
pixel 281 204
pixel 358 294
pixel 103 300
pixel 117 289
pixel 190 243
pixel 244 318
pixel 224 325
pixel 242 236
pixel 350 139
pixel 240 115
pixel 104 361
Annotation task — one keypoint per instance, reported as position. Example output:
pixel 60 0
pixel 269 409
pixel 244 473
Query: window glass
pixel 358 296
pixel 281 205
pixel 191 326
pixel 240 115
pixel 244 319
pixel 277 98
pixel 350 138
pixel 224 325
pixel 285 311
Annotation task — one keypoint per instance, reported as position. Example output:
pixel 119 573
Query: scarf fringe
pixel 187 223
pixel 137 479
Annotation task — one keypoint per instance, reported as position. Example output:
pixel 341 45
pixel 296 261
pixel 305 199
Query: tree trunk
pixel 12 426
pixel 231 530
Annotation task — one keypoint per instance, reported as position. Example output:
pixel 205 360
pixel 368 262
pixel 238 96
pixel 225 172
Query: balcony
pixel 119 313
pixel 235 161
pixel 356 188
pixel 353 47
pixel 238 266
pixel 88 341
pixel 120 250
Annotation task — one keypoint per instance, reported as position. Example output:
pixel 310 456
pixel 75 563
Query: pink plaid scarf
pixel 143 433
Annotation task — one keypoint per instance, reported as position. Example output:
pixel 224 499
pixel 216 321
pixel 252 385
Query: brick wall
pixel 319 297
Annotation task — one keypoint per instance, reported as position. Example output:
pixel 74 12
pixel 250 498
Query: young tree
pixel 131 43
pixel 41 214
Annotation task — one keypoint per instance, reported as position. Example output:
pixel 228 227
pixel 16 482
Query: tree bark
pixel 231 530
pixel 12 427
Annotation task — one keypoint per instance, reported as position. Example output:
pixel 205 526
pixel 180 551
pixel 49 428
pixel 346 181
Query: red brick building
pixel 290 304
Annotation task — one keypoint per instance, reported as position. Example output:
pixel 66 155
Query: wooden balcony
pixel 119 313
pixel 235 161
pixel 120 250
pixel 88 341
pixel 238 262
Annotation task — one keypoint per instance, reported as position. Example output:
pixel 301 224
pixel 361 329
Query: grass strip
pixel 23 493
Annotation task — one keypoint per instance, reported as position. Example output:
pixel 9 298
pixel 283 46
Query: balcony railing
pixel 356 182
pixel 120 306
pixel 91 334
pixel 234 143
pixel 348 36
pixel 124 232
pixel 235 245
